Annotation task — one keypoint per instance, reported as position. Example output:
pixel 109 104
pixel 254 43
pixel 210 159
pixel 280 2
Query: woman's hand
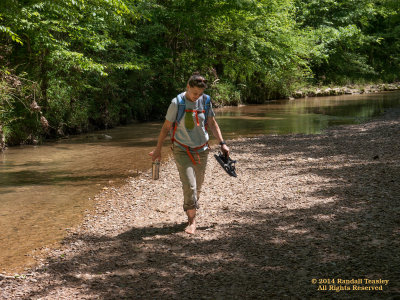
pixel 225 150
pixel 155 154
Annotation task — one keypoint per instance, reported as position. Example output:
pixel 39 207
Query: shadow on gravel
pixel 268 252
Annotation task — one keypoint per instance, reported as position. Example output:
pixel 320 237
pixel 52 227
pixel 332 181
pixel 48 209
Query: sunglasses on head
pixel 201 80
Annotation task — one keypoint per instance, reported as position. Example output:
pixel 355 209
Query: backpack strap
pixel 179 115
pixel 206 105
pixel 181 108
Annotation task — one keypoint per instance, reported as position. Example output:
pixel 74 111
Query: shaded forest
pixel 72 66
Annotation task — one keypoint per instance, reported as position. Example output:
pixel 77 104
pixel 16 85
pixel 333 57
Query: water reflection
pixel 308 116
pixel 45 189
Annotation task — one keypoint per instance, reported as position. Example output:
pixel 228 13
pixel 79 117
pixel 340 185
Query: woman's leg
pixel 192 178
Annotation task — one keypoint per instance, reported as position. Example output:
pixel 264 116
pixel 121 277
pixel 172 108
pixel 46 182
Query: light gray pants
pixel 192 176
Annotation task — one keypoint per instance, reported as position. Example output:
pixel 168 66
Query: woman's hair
pixel 196 80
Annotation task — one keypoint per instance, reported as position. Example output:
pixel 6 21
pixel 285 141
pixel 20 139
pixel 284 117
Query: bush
pixel 20 116
pixel 225 93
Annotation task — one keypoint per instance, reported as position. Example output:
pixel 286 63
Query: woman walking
pixel 188 117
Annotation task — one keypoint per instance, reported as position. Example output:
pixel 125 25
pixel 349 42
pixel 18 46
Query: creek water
pixel 46 189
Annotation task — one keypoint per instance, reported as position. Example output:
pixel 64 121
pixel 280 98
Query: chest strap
pixel 196 112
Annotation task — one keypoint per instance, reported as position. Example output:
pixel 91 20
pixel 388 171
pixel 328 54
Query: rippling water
pixel 46 189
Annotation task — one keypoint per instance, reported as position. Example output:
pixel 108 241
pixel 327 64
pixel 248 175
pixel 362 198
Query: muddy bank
pixel 303 207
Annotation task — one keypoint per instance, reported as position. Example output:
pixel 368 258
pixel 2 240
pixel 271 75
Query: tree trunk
pixel 44 80
pixel 2 139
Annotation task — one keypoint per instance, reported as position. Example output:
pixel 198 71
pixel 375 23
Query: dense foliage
pixel 68 66
pixel 353 40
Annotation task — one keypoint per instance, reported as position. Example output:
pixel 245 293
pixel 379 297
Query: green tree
pixel 348 35
pixel 67 46
pixel 384 53
pixel 250 47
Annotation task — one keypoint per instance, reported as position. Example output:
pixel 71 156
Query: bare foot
pixel 191 228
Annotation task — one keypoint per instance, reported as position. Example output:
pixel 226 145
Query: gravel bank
pixel 303 207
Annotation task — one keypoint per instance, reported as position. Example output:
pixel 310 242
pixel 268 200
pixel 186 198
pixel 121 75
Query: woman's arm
pixel 156 153
pixel 213 125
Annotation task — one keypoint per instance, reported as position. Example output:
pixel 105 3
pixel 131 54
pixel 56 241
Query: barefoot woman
pixel 190 141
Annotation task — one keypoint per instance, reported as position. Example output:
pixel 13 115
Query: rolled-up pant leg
pixel 192 176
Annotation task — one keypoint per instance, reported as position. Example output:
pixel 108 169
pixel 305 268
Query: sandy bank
pixel 303 207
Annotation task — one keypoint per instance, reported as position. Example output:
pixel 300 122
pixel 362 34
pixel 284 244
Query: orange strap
pixel 193 149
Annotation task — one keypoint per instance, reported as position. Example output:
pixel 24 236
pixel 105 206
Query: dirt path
pixel 303 207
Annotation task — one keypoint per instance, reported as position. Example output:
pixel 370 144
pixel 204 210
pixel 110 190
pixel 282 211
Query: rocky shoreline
pixel 345 90
pixel 306 212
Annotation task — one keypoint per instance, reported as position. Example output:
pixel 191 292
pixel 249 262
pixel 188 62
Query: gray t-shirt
pixel 188 131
